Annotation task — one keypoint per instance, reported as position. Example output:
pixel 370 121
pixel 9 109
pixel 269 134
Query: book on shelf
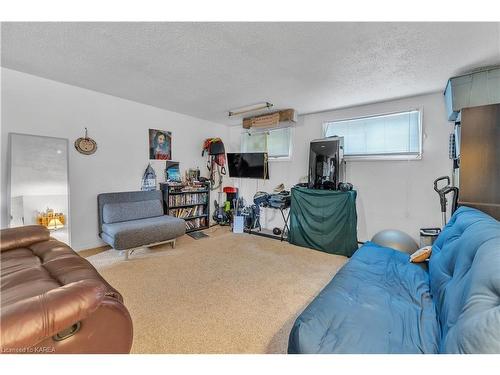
pixel 187 211
pixel 181 188
pixel 196 223
pixel 188 202
pixel 185 199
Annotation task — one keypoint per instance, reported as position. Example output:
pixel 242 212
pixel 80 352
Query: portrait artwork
pixel 160 145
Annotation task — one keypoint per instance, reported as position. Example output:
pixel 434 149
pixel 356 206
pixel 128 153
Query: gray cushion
pixel 124 211
pixel 141 232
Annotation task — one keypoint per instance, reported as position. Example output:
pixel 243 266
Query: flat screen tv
pixel 248 165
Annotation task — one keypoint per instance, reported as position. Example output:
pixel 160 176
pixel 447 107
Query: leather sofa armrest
pixel 27 322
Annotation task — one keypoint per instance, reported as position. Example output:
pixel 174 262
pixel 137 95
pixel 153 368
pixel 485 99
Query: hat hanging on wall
pixel 85 145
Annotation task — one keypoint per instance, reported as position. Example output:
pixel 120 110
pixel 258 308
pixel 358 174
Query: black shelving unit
pixel 186 203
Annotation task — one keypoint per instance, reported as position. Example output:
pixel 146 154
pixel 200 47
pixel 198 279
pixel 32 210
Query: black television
pixel 248 165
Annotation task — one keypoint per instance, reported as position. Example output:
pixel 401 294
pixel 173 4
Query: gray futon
pixel 130 220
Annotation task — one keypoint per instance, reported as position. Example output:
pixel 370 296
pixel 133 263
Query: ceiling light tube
pixel 250 108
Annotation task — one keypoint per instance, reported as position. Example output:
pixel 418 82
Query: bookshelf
pixel 191 203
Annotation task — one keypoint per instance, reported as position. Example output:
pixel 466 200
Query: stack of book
pixel 187 212
pixel 196 223
pixel 183 199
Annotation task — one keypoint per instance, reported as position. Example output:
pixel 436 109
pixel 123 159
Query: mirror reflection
pixel 39 188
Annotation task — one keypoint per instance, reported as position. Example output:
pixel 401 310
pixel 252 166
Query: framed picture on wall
pixel 160 145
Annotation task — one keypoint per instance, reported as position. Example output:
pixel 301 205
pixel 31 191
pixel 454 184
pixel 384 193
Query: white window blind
pixel 391 135
pixel 277 142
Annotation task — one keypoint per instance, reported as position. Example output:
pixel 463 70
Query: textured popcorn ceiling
pixel 205 69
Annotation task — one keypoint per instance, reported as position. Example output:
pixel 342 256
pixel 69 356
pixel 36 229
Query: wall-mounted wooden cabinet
pixel 480 159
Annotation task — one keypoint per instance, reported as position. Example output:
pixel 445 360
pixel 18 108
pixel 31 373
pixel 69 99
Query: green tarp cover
pixel 325 220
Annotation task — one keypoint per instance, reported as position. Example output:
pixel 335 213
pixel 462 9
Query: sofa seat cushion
pixel 378 302
pixel 136 233
pixel 24 280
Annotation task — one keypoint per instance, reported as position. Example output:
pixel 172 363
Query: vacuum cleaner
pixel 429 235
pixel 442 192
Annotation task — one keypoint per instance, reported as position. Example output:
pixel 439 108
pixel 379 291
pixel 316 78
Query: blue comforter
pixel 377 303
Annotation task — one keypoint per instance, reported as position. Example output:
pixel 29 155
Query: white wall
pixel 34 105
pixel 391 194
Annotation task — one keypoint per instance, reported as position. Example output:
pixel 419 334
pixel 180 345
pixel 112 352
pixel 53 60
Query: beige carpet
pixel 229 293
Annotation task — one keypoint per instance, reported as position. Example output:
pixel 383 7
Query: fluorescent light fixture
pixel 250 108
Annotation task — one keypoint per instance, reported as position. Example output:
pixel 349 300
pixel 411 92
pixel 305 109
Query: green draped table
pixel 324 220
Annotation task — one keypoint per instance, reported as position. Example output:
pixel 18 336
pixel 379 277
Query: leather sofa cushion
pixel 125 211
pixel 12 239
pixel 136 233
pixel 40 267
pixel 465 282
pixel 378 302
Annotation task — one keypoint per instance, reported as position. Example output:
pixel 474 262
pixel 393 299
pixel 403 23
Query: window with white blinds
pixel 395 135
pixel 277 142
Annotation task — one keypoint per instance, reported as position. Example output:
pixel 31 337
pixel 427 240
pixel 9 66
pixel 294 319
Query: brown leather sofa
pixel 54 301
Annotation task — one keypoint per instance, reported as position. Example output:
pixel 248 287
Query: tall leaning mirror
pixel 39 184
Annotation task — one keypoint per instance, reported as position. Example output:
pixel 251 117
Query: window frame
pixel 273 158
pixel 387 156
